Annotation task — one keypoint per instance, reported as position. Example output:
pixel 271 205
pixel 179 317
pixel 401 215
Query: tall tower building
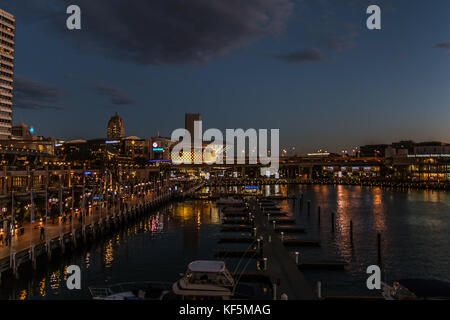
pixel 116 127
pixel 7 44
pixel 189 124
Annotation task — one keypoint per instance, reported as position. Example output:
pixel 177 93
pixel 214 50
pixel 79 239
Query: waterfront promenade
pixel 58 229
pixel 32 234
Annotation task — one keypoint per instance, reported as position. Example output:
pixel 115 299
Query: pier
pixel 28 243
pixel 280 266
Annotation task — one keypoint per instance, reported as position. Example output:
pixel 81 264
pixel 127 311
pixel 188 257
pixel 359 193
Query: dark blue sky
pixel 309 68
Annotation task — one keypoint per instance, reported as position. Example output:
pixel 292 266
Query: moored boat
pixel 417 289
pixel 205 280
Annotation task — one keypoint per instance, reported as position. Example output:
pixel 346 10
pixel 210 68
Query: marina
pixel 236 244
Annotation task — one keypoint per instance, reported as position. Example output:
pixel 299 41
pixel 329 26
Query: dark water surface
pixel 414 226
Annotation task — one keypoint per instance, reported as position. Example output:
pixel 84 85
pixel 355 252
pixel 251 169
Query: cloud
pixel 164 31
pixel 443 45
pixel 33 95
pixel 118 96
pixel 308 55
pixel 344 40
pixel 22 104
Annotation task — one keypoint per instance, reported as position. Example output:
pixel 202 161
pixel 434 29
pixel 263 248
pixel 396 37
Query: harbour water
pixel 414 227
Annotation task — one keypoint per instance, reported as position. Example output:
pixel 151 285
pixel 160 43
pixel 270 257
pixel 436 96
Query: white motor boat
pixel 417 289
pixel 132 291
pixel 205 280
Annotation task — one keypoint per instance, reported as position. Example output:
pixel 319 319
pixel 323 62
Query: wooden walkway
pixel 281 266
pixel 29 244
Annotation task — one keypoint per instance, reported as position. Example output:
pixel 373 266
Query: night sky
pixel 310 68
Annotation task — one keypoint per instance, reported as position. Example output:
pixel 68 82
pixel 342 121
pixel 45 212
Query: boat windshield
pixel 213 278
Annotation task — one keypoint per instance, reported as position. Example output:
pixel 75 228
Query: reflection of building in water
pixel 190 216
pixel 187 217
pixel 191 236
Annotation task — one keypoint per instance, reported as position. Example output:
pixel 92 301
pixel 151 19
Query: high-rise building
pixel 7 44
pixel 116 127
pixel 189 124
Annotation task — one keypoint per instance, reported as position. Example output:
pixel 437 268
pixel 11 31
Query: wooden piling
pixel 351 232
pixel 379 248
pixel 332 221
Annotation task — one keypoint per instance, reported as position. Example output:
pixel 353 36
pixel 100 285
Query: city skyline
pixel 225 150
pixel 323 79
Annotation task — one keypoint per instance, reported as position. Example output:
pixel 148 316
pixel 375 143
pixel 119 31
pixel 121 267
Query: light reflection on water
pixel 414 226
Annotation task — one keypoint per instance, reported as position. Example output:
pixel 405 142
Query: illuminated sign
pixel 112 142
pixel 31 130
pixel 159 160
pixel 355 168
pixel 88 173
pixel 367 168
pixel 428 155
pixel 58 145
pixel 252 188
pixel 155 145
pixel 318 154
pixel 158 149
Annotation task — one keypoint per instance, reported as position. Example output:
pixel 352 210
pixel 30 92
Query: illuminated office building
pixel 116 127
pixel 189 124
pixel 7 41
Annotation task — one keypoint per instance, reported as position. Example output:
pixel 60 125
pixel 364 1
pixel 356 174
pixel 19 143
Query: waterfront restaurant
pixel 351 172
pixel 423 167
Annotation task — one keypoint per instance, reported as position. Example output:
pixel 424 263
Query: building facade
pixel 116 127
pixel 7 47
pixel 190 119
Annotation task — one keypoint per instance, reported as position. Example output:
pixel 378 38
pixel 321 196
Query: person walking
pixel 42 236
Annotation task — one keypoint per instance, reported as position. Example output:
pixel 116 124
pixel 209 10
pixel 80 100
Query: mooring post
pixel 48 247
pixel 13 263
pixel 84 233
pixel 61 242
pixel 351 232
pixel 282 236
pixel 297 257
pixel 319 289
pixel 274 291
pixel 74 238
pixel 379 248
pixel 274 224
pixel 254 232
pixel 332 221
pixel 265 264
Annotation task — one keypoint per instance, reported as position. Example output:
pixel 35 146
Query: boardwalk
pixel 281 266
pixel 31 235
